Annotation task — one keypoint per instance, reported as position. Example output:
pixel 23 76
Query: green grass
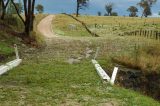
pixel 58 83
pixel 6 45
pixel 5 49
pixel 13 24
pixel 45 78
pixel 62 27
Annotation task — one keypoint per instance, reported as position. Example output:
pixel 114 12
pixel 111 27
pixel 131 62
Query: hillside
pixel 12 32
pixel 111 31
pixel 62 72
pixel 103 25
pixel 137 53
pixel 8 37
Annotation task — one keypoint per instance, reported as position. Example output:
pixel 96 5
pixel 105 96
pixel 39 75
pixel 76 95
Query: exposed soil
pixel 132 77
pixel 147 83
pixel 2 58
pixel 45 27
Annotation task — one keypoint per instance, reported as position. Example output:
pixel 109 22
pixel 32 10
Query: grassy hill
pixel 10 28
pixel 46 78
pixel 103 25
pixel 133 51
pixel 138 53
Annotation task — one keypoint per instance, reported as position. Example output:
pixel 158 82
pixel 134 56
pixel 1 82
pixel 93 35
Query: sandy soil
pixel 45 27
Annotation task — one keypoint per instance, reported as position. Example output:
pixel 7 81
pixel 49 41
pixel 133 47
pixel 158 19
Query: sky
pixel 69 6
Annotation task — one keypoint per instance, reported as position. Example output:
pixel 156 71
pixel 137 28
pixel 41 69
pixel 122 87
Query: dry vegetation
pixel 46 78
pixel 134 52
pixel 9 29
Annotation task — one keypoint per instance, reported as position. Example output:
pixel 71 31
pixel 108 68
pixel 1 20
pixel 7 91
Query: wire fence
pixel 154 34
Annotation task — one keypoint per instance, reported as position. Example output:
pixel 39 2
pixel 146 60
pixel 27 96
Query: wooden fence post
pixel 145 33
pixel 156 35
pixel 151 33
pixel 134 33
pixel 140 32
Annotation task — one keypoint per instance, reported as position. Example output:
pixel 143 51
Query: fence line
pixel 155 34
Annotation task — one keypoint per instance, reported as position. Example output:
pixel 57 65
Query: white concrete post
pixel 16 51
pixel 114 75
pixel 96 53
pixel 8 66
pixel 100 71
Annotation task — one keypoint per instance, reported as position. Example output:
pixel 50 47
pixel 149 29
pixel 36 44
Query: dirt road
pixel 45 27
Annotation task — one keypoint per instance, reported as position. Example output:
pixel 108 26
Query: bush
pixel 13 20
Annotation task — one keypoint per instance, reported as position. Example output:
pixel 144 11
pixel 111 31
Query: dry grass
pixel 122 48
pixel 117 20
pixel 62 26
pixel 45 78
pixel 104 25
pixel 144 56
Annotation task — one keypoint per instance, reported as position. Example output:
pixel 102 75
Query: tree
pixel 105 14
pixel 109 8
pixel 0 6
pixel 20 7
pixel 4 4
pixel 99 13
pixel 40 8
pixel 146 5
pixel 133 11
pixel 12 10
pixel 29 15
pixel 81 4
pixel 114 14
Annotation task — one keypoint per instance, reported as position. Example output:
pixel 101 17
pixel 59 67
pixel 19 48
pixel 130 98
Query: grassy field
pixel 103 25
pixel 45 78
pixel 62 27
pixel 135 52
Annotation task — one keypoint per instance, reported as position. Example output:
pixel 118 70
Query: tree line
pixel 145 5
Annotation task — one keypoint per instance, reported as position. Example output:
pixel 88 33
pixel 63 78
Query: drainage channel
pixel 147 83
